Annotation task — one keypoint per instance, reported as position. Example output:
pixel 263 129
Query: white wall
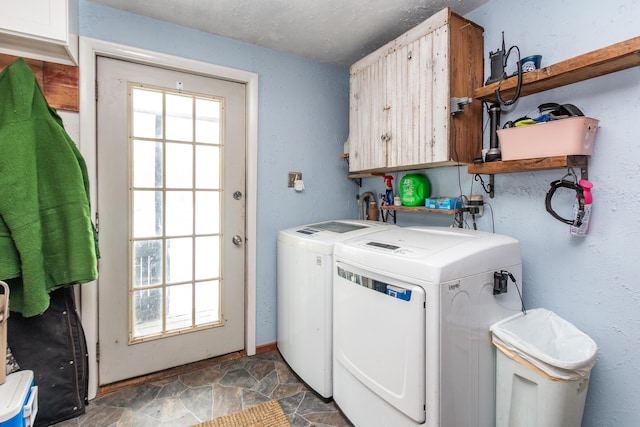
pixel 593 282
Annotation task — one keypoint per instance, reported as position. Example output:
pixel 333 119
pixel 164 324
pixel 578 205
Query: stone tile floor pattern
pixel 219 389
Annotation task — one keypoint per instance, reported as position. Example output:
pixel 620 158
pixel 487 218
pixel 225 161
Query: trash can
pixel 543 365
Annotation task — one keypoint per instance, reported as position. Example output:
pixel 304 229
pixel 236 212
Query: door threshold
pixel 160 375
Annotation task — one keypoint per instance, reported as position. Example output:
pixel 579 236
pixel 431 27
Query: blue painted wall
pixel 303 122
pixel 303 115
pixel 593 282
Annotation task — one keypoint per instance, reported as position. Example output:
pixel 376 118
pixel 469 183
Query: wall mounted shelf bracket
pixel 526 165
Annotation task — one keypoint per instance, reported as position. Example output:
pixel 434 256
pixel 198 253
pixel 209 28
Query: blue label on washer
pixel 400 293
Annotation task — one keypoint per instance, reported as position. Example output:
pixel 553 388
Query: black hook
pixel 487 188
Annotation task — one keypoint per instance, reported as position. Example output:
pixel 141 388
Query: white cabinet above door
pixel 40 29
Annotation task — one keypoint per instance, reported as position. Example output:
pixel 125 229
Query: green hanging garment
pixel 47 239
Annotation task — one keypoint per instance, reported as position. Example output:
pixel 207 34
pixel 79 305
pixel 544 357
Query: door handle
pixel 236 240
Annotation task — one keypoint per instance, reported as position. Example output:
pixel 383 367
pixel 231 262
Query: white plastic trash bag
pixel 548 342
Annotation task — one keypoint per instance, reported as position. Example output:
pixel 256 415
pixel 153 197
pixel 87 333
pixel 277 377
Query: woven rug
pixel 268 414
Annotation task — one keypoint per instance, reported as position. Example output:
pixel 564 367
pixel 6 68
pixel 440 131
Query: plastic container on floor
pixel 542 370
pixel 18 400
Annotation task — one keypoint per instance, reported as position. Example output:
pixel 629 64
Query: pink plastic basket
pixel 565 137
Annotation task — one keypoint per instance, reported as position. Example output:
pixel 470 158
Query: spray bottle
pixel 388 196
pixel 581 231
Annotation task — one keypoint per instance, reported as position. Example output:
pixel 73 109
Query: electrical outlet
pixel 292 177
pixel 475 205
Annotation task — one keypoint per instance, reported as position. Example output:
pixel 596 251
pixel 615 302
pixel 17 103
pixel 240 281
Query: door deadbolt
pixel 237 240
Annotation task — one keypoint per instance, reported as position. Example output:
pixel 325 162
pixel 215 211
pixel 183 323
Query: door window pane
pixel 207 212
pixel 207 167
pixel 147 255
pixel 147 113
pixel 208 121
pixel 179 117
pixel 179 218
pixel 207 257
pixel 147 312
pixel 207 302
pixel 179 301
pixel 147 213
pixel 179 163
pixel 179 260
pixel 147 164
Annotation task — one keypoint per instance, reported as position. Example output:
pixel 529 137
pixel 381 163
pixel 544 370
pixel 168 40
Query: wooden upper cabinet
pixel 401 114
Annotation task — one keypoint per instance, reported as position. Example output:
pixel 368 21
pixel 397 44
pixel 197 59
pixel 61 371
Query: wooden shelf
pixel 420 209
pixel 616 57
pixel 526 165
pixel 357 175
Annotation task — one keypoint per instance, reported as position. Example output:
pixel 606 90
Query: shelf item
pixel 393 210
pixel 407 99
pixel 46 30
pixel 420 209
pixel 616 57
pixel 567 137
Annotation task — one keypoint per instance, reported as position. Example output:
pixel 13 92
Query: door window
pixel 175 193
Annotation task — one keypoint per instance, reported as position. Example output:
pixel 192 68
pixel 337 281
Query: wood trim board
pixel 59 82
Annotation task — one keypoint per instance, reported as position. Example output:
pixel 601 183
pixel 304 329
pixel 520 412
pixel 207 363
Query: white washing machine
pixel 305 259
pixel 412 310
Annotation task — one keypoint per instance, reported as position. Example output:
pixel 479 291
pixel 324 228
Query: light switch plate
pixel 292 177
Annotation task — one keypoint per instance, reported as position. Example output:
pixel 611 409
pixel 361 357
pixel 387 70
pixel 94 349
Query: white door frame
pixel 89 50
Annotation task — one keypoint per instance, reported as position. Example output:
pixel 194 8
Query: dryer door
pixel 379 336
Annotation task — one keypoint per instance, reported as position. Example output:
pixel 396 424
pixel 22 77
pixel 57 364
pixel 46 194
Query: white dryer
pixel 412 310
pixel 305 259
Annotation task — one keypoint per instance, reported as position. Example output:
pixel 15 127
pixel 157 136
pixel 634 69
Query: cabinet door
pixel 368 118
pixel 42 19
pixel 418 93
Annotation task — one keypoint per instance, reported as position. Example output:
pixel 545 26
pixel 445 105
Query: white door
pixel 171 184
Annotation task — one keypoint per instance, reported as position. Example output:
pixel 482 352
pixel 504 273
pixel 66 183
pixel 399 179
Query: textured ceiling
pixel 336 32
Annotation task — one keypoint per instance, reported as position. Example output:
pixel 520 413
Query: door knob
pixel 237 240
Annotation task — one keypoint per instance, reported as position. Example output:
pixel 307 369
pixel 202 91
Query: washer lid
pixel 433 254
pixel 327 233
pixel 335 226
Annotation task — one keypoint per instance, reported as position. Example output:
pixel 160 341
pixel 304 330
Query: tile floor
pixel 215 390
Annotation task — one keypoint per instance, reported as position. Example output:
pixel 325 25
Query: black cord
pixel 513 279
pixel 518 86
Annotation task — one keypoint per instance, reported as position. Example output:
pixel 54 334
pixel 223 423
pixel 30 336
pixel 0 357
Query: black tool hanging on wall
pixel 498 74
pixel 572 185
